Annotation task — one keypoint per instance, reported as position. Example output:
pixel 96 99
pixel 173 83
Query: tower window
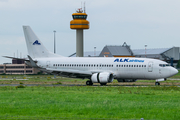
pixel 79 16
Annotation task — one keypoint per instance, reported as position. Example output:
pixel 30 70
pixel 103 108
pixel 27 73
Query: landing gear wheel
pixel 157 83
pixel 103 84
pixel 89 82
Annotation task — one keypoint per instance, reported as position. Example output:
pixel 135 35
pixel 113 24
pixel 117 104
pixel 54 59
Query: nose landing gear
pixel 157 83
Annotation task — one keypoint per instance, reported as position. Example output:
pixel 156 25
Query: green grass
pixel 87 102
pixel 83 102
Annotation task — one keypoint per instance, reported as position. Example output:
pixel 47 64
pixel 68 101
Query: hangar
pixel 170 55
pixel 117 51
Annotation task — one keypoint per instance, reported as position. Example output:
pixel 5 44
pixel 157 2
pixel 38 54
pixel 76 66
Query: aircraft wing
pixel 70 73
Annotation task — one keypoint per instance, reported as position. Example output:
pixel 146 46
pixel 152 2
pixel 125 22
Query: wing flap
pixel 70 73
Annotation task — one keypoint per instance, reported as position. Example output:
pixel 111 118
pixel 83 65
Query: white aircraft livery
pixel 97 69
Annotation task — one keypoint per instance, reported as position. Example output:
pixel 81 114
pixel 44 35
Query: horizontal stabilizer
pixel 24 59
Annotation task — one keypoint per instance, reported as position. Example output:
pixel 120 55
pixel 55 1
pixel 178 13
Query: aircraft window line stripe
pixel 102 65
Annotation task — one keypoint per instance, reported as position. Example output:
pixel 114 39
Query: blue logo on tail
pixel 36 43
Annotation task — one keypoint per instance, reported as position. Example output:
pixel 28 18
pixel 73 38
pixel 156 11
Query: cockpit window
pixel 163 65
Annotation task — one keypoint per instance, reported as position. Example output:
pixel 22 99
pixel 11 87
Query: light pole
pixel 54 41
pixel 145 50
pixel 54 46
pixel 94 51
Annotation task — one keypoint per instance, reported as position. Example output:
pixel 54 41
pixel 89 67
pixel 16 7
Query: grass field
pixel 82 102
pixel 87 102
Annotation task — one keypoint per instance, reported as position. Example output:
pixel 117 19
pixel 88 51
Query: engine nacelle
pixel 104 77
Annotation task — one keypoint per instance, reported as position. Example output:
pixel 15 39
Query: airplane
pixel 101 70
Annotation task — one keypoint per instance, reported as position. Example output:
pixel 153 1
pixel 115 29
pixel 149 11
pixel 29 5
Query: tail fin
pixel 35 47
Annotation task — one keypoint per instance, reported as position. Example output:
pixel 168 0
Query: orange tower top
pixel 79 20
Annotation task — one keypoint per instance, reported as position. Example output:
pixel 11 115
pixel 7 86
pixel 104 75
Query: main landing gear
pixel 102 84
pixel 89 83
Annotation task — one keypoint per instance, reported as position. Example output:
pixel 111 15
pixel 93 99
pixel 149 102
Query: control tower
pixel 79 23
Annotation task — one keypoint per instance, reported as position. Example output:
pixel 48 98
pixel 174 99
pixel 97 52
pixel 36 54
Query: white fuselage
pixel 98 70
pixel 123 68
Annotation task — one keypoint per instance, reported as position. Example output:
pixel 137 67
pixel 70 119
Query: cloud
pixel 137 22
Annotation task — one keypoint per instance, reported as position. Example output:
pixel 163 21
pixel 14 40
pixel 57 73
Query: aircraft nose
pixel 174 71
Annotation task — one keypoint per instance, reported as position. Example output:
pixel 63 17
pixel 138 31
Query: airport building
pixel 17 67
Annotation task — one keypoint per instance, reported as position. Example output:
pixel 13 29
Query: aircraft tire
pixel 102 84
pixel 89 83
pixel 157 83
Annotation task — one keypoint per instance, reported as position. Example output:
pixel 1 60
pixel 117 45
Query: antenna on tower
pixel 81 4
pixel 84 8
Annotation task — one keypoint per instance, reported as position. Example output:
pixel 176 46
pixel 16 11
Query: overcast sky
pixel 155 23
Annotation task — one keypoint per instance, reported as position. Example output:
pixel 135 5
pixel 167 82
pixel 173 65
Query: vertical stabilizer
pixel 35 47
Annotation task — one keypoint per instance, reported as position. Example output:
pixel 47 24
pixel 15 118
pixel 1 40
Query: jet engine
pixel 103 77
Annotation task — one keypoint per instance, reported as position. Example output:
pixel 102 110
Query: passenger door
pixel 48 64
pixel 150 66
